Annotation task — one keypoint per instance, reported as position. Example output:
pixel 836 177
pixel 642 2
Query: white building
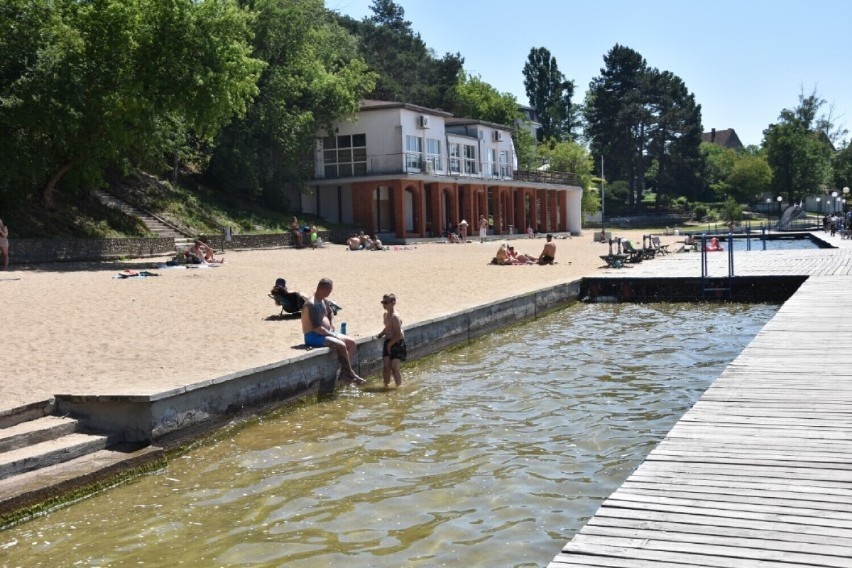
pixel 413 172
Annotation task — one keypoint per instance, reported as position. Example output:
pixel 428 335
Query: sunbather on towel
pixel 200 252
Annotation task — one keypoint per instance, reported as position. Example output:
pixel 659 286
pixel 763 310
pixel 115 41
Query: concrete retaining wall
pixel 148 417
pixel 23 251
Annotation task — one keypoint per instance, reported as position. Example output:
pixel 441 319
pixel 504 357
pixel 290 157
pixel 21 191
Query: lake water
pixel 756 244
pixel 492 454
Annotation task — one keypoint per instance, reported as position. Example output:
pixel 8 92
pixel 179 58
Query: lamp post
pixel 819 210
pixel 768 211
pixel 845 193
pixel 603 200
pixel 779 199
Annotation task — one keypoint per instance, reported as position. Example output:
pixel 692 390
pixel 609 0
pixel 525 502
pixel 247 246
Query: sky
pixel 745 61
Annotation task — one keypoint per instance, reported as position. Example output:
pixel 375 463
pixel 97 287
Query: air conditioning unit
pixel 430 167
pixel 498 135
pixel 423 121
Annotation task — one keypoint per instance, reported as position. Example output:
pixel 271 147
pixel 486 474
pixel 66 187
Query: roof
pixel 371 104
pixel 726 138
pixel 468 121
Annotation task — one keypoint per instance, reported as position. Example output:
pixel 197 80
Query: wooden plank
pixel 798 517
pixel 759 471
pixel 753 540
pixel 736 555
pixel 764 532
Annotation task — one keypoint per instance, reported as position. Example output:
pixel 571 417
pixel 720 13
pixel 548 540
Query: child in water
pixel 394 350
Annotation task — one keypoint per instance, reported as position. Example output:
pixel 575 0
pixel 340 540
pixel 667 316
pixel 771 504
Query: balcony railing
pixel 404 163
pixel 538 176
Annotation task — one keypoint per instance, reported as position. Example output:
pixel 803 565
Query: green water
pixel 494 454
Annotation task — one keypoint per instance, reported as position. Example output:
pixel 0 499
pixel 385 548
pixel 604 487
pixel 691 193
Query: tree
pixel 842 167
pixel 408 71
pixel 719 163
pixel 674 136
pixel 549 93
pixel 102 83
pixel 568 156
pixel 799 153
pixel 312 77
pixel 474 98
pixel 750 178
pixel 617 118
pixel 647 126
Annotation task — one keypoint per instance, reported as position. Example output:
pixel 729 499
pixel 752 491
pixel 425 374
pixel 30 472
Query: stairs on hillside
pixel 43 456
pixel 154 224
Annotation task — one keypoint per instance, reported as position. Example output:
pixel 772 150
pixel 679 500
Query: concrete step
pixel 153 224
pixel 35 431
pixel 48 453
pixel 47 486
pixel 24 413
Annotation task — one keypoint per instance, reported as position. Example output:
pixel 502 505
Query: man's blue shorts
pixel 314 339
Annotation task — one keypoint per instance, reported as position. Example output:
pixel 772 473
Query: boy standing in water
pixel 394 350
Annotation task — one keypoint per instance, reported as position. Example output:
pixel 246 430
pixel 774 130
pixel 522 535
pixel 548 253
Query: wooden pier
pixel 759 472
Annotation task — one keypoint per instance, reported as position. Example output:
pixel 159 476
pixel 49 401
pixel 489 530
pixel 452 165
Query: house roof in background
pixel 726 138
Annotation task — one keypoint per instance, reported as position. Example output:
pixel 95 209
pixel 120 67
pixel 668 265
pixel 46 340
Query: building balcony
pixel 408 163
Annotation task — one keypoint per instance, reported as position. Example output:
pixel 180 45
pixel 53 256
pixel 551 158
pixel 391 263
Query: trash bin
pixel 511 229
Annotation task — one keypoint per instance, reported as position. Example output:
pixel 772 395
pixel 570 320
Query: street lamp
pixel 779 199
pixel 819 209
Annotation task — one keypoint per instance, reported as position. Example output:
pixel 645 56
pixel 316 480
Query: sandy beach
pixel 79 329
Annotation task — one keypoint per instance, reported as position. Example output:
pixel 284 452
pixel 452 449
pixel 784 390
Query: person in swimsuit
pixel 394 350
pixel 319 331
pixel 296 231
pixel 4 244
pixel 549 252
pixel 483 228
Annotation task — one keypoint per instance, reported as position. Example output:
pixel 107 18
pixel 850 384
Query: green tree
pixel 568 156
pixel 674 137
pixel 647 125
pixel 474 98
pixel 718 164
pixel 842 167
pixel 408 71
pixel 312 77
pixel 617 117
pixel 549 93
pixel 749 178
pixel 103 83
pixel 797 152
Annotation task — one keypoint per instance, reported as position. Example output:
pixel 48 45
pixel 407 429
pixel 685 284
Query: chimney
pixel 712 135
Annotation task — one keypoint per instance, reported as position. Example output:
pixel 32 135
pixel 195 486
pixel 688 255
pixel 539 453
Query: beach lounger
pixel 659 247
pixel 634 255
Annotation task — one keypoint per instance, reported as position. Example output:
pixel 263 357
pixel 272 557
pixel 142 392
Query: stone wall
pixel 24 251
pixel 272 240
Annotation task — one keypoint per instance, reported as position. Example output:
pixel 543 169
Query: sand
pixel 77 329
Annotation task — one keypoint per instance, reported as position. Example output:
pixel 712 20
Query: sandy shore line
pixel 81 330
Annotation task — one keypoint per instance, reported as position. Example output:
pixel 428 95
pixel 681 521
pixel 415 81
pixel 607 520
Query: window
pixel 413 152
pixel 492 166
pixel 470 159
pixel 344 155
pixel 504 164
pixel 455 157
pixel 433 153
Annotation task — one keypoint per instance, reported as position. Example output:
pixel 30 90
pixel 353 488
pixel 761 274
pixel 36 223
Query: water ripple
pixel 495 453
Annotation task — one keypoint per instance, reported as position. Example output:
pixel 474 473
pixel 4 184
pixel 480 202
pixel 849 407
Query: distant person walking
pixel 4 244
pixel 394 350
pixel 483 228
